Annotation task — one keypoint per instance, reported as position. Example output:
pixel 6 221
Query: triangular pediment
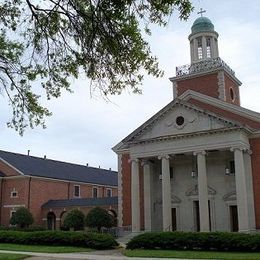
pixel 179 118
pixel 194 191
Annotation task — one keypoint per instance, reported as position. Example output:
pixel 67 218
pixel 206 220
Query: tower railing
pixel 202 66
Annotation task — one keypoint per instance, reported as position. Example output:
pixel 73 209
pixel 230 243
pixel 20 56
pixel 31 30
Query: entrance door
pixel 51 221
pixel 196 215
pixel 174 221
pixel 233 218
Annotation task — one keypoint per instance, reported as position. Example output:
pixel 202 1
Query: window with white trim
pixel 109 192
pixel 76 191
pixel 12 212
pixel 94 192
pixel 200 48
pixel 14 193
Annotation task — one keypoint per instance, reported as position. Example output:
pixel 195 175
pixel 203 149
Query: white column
pixel 203 191
pixel 250 190
pixel 241 190
pixel 166 193
pixel 135 195
pixel 147 196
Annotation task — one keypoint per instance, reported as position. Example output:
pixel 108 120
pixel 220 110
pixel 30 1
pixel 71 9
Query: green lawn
pixel 43 249
pixel 12 256
pixel 191 254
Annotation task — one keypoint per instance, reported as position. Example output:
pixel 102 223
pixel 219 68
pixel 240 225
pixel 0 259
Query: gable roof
pixel 232 116
pixel 35 166
pixel 81 202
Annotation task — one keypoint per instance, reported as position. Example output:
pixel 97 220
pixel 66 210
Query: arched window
pixel 208 44
pixel 200 48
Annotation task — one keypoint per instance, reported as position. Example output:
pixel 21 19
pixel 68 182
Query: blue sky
pixel 84 127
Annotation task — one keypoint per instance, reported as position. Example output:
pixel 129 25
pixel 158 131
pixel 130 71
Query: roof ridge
pixel 43 159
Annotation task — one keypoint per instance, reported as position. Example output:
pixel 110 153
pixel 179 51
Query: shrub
pixel 59 238
pixel 74 219
pixel 22 218
pixel 211 241
pixel 98 218
pixel 29 229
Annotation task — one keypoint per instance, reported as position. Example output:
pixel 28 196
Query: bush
pixel 211 241
pixel 29 229
pixel 22 218
pixel 74 219
pixel 98 218
pixel 59 238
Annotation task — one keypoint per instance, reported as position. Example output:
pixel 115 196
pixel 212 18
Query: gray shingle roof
pixel 81 202
pixel 35 166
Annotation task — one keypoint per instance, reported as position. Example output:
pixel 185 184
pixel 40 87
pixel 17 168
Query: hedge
pixel 211 241
pixel 59 238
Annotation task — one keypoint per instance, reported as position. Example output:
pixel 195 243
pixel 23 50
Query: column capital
pixel 136 160
pixel 242 148
pixel 145 162
pixel 202 152
pixel 164 156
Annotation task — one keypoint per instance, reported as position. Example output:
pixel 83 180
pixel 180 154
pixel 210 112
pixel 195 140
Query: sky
pixel 84 127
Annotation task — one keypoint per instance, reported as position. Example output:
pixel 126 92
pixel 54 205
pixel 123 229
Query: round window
pixel 180 120
pixel 232 95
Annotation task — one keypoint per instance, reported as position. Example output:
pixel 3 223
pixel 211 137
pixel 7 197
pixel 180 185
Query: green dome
pixel 202 24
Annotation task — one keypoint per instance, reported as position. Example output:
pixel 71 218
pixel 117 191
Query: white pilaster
pixel 203 191
pixel 147 196
pixel 135 195
pixel 166 193
pixel 241 190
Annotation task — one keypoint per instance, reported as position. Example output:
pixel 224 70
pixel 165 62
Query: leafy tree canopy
pixel 74 219
pixel 45 42
pixel 22 217
pixel 98 218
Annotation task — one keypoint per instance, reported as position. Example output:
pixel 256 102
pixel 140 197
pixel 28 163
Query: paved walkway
pixel 94 255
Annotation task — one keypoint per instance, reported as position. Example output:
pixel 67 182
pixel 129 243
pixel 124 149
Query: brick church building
pixel 50 189
pixel 194 165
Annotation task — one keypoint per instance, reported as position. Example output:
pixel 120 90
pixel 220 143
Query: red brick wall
pixel 207 85
pixel 226 113
pixel 7 170
pixel 229 83
pixel 21 186
pixel 126 190
pixel 255 158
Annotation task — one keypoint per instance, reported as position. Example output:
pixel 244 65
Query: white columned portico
pixel 166 193
pixel 241 189
pixel 203 191
pixel 147 195
pixel 135 195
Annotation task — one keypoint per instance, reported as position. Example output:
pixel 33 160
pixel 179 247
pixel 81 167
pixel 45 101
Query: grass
pixel 192 254
pixel 12 256
pixel 43 249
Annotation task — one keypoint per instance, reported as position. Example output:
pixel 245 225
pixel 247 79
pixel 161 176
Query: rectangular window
pixel 109 193
pixel 14 194
pixel 94 192
pixel 171 172
pixel 76 191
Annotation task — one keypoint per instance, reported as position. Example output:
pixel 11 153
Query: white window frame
pixel 74 195
pixel 93 192
pixel 12 192
pixel 12 212
pixel 111 192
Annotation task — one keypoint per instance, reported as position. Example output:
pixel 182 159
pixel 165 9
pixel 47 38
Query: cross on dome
pixel 201 12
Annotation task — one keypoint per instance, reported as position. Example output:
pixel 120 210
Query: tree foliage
pixel 45 42
pixel 22 218
pixel 74 219
pixel 98 218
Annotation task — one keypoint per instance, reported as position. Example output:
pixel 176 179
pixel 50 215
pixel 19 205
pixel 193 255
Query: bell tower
pixel 207 73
